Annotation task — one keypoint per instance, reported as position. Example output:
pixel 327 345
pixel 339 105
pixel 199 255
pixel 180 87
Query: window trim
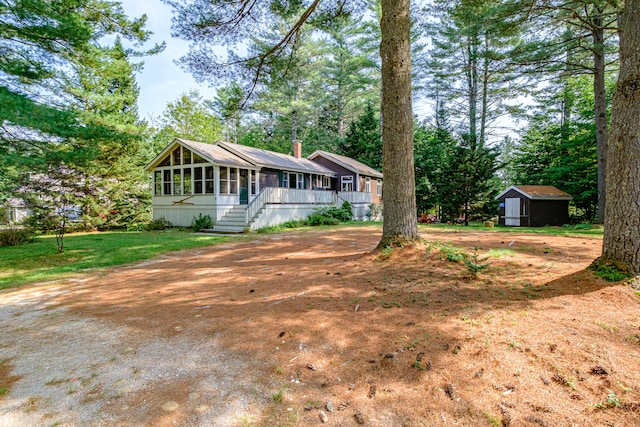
pixel 346 181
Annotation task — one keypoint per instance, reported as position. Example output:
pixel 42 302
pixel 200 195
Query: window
pixel 379 185
pixel 233 181
pixel 253 182
pixel 326 182
pixel 186 154
pixel 285 179
pixel 165 162
pixel 157 183
pixel 166 182
pixel 300 181
pixel 346 183
pixel 208 180
pixel 176 156
pixel 177 181
pixel 198 159
pixel 186 180
pixel 224 180
pixel 367 185
pixel 292 180
pixel 197 180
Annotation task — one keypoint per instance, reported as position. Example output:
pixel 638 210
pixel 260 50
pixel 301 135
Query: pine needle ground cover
pixel 296 328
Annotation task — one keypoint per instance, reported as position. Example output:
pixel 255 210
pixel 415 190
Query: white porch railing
pixel 293 196
pixel 354 197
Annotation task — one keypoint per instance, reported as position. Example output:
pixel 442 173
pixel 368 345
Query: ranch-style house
pixel 245 188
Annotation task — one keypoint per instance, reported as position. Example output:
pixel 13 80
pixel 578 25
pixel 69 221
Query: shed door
pixel 512 212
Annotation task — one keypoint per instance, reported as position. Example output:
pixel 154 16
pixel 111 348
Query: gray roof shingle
pixel 275 160
pixel 349 163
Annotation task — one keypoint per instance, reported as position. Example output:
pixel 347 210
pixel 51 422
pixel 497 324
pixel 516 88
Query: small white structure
pixel 15 211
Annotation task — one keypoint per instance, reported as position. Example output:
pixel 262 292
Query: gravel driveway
pixel 82 371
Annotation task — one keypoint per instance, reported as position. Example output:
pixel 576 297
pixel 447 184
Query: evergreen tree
pixel 228 104
pixel 363 141
pixel 470 183
pixel 434 147
pixel 470 64
pixel 187 117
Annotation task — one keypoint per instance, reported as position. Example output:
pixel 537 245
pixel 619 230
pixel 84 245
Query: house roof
pixel 266 158
pixel 538 192
pixel 210 152
pixel 347 163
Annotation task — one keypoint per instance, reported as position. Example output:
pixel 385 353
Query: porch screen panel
pixel 224 177
pixel 157 183
pixel 166 182
pixel 177 181
pixel 186 156
pixel 187 181
pixel 197 180
pixel 208 180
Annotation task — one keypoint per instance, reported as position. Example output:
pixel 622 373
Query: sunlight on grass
pixel 500 252
pixel 478 226
pixel 38 261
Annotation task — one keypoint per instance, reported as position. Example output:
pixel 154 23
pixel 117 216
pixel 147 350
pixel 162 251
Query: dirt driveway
pixel 309 327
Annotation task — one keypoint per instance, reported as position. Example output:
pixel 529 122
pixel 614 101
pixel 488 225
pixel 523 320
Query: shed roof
pixel 266 158
pixel 348 163
pixel 538 192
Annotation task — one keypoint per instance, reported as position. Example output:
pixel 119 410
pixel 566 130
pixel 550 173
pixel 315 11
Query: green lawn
pixel 38 261
pixel 579 230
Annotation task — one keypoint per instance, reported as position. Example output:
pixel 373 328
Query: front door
pixel 512 212
pixel 244 186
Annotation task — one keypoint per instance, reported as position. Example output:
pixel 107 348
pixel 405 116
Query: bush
pixel 15 236
pixel 321 219
pixel 201 222
pixel 348 211
pixel 158 224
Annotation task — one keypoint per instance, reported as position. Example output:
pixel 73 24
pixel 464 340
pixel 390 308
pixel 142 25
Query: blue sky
pixel 161 81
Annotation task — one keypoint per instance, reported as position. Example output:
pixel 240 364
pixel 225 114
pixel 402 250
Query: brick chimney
pixel 297 148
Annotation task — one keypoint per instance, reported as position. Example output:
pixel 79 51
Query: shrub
pixel 15 236
pixel 319 218
pixel 158 224
pixel 348 211
pixel 201 222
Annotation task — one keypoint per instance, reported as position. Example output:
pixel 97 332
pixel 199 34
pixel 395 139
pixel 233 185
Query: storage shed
pixel 533 206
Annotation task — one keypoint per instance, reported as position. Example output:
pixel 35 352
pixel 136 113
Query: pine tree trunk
pixel 602 132
pixel 622 212
pixel 400 220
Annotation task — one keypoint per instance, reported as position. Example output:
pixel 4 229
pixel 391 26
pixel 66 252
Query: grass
pixel 479 226
pixel 39 262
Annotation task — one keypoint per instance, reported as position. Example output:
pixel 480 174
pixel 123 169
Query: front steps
pixel 232 222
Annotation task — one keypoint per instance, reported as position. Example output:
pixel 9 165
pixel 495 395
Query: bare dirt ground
pixel 308 328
